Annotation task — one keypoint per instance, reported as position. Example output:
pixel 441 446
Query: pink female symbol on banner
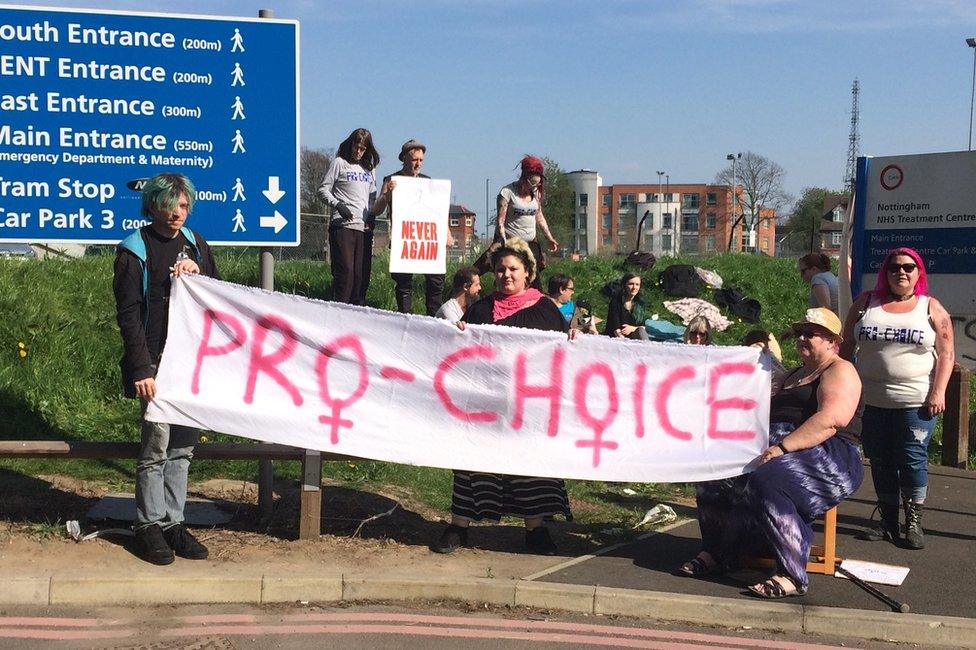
pixel 599 426
pixel 352 343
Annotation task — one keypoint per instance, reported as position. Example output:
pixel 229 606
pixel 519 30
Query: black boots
pixel 151 545
pixel 914 535
pixel 887 528
pixel 539 541
pixel 184 544
pixel 453 538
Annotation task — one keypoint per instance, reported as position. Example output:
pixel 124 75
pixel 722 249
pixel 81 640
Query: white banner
pixel 418 225
pixel 416 390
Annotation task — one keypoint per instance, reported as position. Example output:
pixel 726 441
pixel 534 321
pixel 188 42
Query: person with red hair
pixel 900 340
pixel 520 212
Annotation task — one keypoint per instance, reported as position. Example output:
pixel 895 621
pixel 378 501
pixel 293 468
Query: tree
pixel 762 194
pixel 558 204
pixel 802 228
pixel 314 163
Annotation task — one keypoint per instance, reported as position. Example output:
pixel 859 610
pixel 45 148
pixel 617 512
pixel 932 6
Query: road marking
pixel 220 618
pixel 13 621
pixel 605 550
pixel 452 632
pixel 64 635
pixel 562 626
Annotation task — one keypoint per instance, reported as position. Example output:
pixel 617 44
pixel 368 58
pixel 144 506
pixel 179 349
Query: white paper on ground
pixel 882 574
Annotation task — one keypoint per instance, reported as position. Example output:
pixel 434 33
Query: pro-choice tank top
pixel 895 355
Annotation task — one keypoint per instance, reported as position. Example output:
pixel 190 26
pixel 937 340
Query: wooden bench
pixel 823 557
pixel 309 522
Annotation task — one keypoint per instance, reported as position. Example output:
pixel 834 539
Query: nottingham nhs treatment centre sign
pixel 91 102
pixel 926 202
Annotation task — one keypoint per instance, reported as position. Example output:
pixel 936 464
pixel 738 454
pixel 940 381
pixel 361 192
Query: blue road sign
pixel 92 102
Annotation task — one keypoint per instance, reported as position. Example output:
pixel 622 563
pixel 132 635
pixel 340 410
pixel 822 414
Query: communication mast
pixel 854 141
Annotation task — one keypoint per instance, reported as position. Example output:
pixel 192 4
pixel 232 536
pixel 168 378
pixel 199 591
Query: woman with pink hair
pixel 520 212
pixel 900 340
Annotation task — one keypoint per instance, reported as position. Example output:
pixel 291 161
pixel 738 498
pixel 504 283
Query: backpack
pixel 739 304
pixel 681 281
pixel 611 289
pixel 662 330
pixel 641 260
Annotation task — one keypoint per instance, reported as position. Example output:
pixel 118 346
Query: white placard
pixel 418 225
pixel 882 574
pixel 416 390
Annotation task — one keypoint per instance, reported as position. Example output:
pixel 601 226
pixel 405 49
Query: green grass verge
pixel 59 351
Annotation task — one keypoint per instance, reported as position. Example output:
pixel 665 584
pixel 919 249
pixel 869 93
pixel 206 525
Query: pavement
pixel 632 579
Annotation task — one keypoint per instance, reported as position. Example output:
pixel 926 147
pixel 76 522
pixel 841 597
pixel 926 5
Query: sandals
pixel 774 588
pixel 701 565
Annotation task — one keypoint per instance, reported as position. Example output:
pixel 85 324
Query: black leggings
pixel 346 249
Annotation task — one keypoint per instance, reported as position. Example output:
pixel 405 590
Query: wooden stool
pixel 823 559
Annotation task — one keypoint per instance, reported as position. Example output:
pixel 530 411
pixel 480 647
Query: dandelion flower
pixel 22 353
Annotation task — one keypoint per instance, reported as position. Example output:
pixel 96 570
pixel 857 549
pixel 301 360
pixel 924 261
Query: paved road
pixel 230 627
pixel 933 586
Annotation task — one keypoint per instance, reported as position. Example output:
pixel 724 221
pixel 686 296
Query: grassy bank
pixel 59 352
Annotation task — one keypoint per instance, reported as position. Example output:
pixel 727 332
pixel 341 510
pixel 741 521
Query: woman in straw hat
pixel 812 464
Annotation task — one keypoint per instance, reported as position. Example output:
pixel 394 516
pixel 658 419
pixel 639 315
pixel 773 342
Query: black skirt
pixel 489 497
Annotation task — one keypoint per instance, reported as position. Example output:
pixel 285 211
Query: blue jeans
pixel 161 473
pixel 897 442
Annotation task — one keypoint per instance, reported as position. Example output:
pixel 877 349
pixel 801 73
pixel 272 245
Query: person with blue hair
pixel 145 262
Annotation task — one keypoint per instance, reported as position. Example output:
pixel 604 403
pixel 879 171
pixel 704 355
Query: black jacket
pixel 135 280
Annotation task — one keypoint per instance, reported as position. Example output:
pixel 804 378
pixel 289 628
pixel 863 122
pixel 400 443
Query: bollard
pixel 310 516
pixel 955 420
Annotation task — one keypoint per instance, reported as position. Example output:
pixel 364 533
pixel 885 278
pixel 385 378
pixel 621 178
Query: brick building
pixel 832 223
pixel 461 222
pixel 686 218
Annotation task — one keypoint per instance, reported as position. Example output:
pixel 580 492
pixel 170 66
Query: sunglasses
pixel 907 268
pixel 807 332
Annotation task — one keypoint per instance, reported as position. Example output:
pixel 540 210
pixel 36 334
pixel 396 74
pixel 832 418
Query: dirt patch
pixel 384 529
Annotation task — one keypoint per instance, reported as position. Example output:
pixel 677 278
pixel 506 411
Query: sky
pixel 624 87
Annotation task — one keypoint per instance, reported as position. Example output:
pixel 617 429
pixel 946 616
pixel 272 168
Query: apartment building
pixel 678 218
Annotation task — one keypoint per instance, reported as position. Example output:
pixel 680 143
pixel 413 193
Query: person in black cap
pixel 412 156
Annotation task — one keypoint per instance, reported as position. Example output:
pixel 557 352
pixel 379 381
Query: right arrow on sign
pixel 276 221
pixel 273 193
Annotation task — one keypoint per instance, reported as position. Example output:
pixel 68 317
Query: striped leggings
pixel 770 511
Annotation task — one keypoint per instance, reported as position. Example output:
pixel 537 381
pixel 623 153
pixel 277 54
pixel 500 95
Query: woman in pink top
pixel 900 340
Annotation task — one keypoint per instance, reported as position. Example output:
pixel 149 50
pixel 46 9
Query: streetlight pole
pixel 674 225
pixel 734 158
pixel 661 193
pixel 971 42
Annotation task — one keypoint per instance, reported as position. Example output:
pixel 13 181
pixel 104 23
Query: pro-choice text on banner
pixel 93 101
pixel 416 390
pixel 926 202
pixel 418 225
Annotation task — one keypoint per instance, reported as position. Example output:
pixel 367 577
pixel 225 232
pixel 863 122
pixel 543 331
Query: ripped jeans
pixel 897 442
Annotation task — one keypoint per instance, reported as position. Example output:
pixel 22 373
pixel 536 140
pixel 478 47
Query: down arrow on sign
pixel 276 221
pixel 273 193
